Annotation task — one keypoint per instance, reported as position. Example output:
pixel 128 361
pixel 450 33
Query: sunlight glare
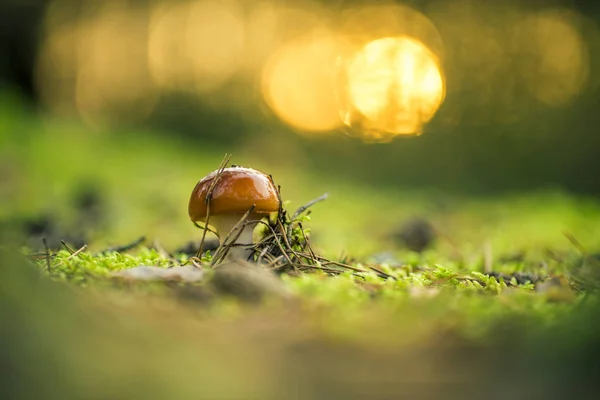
pixel 195 46
pixel 113 81
pixel 94 65
pixel 299 83
pixel 391 86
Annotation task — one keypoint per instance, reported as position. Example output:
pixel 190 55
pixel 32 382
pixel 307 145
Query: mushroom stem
pixel 241 247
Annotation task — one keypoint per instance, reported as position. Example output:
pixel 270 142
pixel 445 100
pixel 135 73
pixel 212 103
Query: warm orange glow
pixel 96 66
pixel 195 46
pixel 391 20
pixel 556 61
pixel 270 24
pixel 113 79
pixel 391 86
pixel 299 82
pixel 56 69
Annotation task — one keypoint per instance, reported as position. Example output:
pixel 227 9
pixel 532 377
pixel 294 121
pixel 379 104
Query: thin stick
pixel 304 237
pixel 75 254
pixel 193 260
pixel 156 244
pixel 330 270
pixel 280 210
pixel 487 257
pixel 203 227
pixel 47 253
pixel 285 239
pixel 275 261
pixel 582 250
pixel 325 269
pixel 576 243
pixel 339 264
pixel 237 231
pixel 307 244
pixel 237 227
pixel 381 273
pixel 303 208
pixel 283 252
pixel 263 241
pixel 66 246
pixel 125 247
pixel 209 194
pixel 38 256
pixel 262 254
pixel 201 247
pixel 269 257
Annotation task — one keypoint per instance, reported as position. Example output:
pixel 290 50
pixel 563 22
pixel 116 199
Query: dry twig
pixel 125 247
pixel 231 237
pixel 47 253
pixel 67 247
pixel 76 253
pixel 209 194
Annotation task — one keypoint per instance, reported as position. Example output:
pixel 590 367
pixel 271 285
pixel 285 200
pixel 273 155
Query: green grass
pixel 429 296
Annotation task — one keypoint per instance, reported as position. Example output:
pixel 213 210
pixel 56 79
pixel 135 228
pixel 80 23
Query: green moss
pixel 414 301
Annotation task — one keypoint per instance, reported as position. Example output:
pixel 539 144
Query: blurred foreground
pixel 125 343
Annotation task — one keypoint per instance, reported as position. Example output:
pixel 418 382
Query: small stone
pixel 385 258
pixel 187 274
pixel 248 282
pixel 417 234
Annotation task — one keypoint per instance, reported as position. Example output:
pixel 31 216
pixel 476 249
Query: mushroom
pixel 235 191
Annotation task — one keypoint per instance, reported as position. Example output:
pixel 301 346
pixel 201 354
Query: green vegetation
pixel 433 296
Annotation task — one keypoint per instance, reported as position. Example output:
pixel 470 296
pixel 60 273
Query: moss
pixel 415 301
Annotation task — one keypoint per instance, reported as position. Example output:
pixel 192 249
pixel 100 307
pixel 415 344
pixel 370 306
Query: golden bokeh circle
pixel 298 83
pixel 391 86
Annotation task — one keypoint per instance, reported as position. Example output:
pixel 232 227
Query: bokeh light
pixel 345 73
pixel 392 86
pixel 480 62
pixel 375 71
pixel 363 24
pixel 113 79
pixel 95 65
pixel 269 25
pixel 299 83
pixel 195 46
pixel 556 62
pixel 56 69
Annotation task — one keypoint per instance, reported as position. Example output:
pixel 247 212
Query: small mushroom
pixel 236 190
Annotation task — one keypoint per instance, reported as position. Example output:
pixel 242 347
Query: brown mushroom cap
pixel 236 190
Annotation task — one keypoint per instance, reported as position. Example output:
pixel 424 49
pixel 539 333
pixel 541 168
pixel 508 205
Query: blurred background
pixel 520 82
pixel 133 101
